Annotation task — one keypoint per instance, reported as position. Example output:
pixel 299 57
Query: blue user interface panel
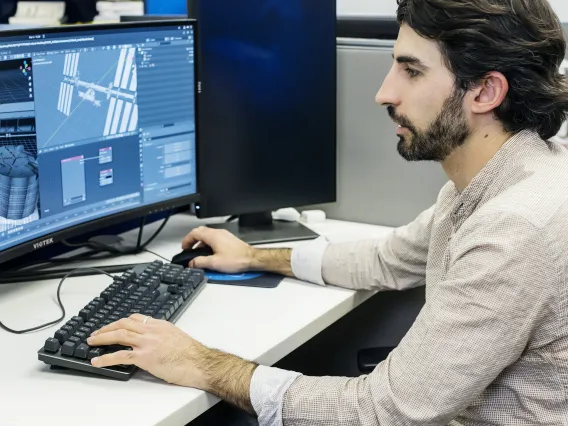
pixel 165 7
pixel 93 123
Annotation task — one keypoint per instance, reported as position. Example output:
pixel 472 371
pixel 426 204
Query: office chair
pixel 369 358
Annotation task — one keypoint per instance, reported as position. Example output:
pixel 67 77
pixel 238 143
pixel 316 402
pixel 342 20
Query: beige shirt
pixel 490 346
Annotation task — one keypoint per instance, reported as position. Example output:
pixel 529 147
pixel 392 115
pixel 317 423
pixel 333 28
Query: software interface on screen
pixel 92 124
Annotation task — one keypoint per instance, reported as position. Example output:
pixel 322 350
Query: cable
pixel 73 245
pixel 59 273
pixel 141 231
pixel 153 237
pixel 158 255
pixel 42 264
pixel 9 330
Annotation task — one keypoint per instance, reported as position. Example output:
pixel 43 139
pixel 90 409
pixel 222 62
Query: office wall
pixel 388 7
pixel 366 7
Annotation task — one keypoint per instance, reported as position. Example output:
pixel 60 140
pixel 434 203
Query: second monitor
pixel 267 111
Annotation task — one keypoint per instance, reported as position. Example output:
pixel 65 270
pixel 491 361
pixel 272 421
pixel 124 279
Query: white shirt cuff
pixel 267 389
pixel 307 260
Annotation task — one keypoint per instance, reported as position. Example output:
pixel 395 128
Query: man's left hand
pixel 157 347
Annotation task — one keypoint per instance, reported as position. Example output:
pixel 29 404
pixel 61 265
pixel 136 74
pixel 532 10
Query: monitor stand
pixel 260 228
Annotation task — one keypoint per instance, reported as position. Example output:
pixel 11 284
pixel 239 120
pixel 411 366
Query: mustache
pixel 400 119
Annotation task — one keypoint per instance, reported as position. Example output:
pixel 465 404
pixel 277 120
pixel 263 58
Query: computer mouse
pixel 188 255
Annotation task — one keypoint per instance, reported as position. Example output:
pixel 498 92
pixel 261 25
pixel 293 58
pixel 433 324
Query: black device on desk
pixel 268 104
pixel 157 290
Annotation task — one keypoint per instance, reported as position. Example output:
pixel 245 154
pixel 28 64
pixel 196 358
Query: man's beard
pixel 448 131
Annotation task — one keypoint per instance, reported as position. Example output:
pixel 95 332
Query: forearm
pixel 277 261
pixel 228 377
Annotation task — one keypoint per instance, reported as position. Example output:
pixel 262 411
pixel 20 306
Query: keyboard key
pixel 113 304
pixel 165 313
pixel 85 314
pixel 186 292
pixel 73 324
pixel 78 320
pixel 68 329
pixel 173 288
pixel 169 278
pixel 86 330
pixel 74 339
pixel 95 352
pixel 52 345
pixel 99 302
pixel 61 335
pixel 82 351
pixel 68 348
pixel 81 335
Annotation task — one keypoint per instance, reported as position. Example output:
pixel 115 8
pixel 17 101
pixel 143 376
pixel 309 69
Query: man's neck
pixel 465 162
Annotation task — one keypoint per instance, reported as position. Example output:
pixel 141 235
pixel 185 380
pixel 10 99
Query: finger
pixel 118 337
pixel 141 318
pixel 115 358
pixel 202 262
pixel 200 234
pixel 123 324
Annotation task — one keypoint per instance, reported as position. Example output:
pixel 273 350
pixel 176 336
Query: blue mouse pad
pixel 247 279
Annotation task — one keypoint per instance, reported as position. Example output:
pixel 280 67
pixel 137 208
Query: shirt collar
pixel 479 187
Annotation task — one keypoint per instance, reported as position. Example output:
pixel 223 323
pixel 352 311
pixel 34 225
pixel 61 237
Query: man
pixel 474 86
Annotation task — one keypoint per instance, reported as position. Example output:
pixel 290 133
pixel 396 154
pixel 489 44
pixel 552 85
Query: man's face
pixel 420 96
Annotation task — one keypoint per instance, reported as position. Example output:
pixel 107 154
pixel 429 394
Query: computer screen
pixel 267 104
pixel 97 124
pixel 165 7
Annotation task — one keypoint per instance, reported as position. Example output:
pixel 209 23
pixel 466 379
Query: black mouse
pixel 188 255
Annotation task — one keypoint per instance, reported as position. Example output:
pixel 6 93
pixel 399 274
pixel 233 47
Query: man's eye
pixel 412 73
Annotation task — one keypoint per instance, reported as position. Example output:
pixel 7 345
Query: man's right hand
pixel 231 255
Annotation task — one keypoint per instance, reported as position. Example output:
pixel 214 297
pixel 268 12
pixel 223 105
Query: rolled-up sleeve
pixel 307 260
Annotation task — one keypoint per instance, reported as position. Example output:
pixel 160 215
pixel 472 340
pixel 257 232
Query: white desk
pixel 258 324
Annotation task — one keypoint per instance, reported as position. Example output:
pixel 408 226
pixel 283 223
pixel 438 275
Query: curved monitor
pixel 97 126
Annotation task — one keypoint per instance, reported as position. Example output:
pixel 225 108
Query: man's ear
pixel 489 93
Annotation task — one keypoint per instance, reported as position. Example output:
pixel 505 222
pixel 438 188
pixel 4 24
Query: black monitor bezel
pixel 92 225
pixel 203 208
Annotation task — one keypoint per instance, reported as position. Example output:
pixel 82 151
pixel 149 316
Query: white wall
pixel 388 7
pixel 368 7
pixel 561 9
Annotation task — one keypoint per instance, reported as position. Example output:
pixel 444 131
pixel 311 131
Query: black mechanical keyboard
pixel 163 291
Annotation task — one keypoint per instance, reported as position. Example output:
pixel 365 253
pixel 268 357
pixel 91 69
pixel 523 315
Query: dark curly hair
pixel 522 39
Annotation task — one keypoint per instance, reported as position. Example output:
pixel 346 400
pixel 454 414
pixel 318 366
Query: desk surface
pixel 257 324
